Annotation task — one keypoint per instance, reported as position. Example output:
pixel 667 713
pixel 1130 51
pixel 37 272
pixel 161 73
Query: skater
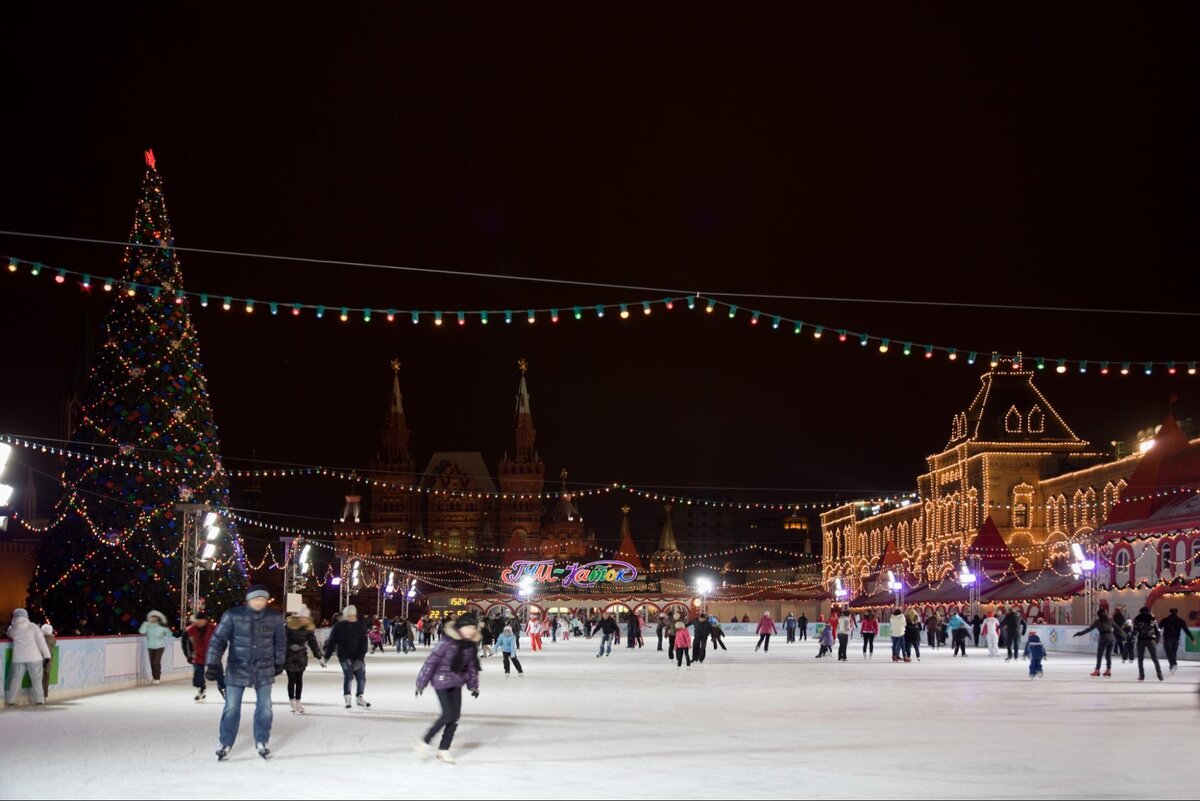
pixel 701 631
pixel 1035 652
pixel 683 644
pixel 1119 621
pixel 1145 628
pixel 661 629
pixel 976 628
pixel 802 626
pixel 958 632
pixel 991 634
pixel 1105 630
pixel 507 647
pixel 898 623
pixel 912 636
pixel 670 635
pixel 825 641
pixel 375 637
pixel 257 643
pixel 1012 635
pixel 452 665
pixel 718 635
pixel 766 627
pixel 51 641
pixel 869 628
pixel 634 631
pixel 156 632
pixel 608 627
pixel 845 627
pixel 29 655
pixel 487 640
pixel 301 638
pixel 789 627
pixel 515 623
pixel 1172 626
pixel 535 627
pixel 197 637
pixel 931 630
pixel 349 639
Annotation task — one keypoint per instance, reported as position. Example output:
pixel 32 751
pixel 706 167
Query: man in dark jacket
pixel 661 628
pixel 1012 635
pixel 1145 629
pixel 609 628
pixel 976 627
pixel 349 639
pixel 700 635
pixel 1172 626
pixel 802 626
pixel 257 642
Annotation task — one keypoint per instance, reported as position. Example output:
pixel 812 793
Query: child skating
pixel 1035 652
pixel 506 644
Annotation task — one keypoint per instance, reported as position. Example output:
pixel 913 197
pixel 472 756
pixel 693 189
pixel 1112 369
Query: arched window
pixel 1037 421
pixel 1012 421
pixel 1020 515
pixel 1165 557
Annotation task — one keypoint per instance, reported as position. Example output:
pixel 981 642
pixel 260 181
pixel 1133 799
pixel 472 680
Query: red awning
pixel 1034 586
pixel 1180 514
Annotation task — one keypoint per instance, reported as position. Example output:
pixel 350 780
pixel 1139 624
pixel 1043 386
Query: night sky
pixel 1018 159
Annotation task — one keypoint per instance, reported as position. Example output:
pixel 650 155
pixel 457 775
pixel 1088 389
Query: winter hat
pixel 19 612
pixel 303 611
pixel 154 613
pixel 1145 610
pixel 47 628
pixel 678 624
pixel 466 620
pixel 257 591
pixel 350 611
pixel 508 629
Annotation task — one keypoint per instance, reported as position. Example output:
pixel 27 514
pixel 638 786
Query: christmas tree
pixel 147 428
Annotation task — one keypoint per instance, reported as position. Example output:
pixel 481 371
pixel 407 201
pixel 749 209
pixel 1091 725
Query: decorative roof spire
pixel 523 390
pixel 627 551
pixel 397 398
pixel 666 542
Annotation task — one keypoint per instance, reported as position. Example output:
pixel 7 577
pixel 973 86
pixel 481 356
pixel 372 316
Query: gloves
pixel 212 673
pixel 189 660
pixel 419 691
pixel 474 693
pixel 278 669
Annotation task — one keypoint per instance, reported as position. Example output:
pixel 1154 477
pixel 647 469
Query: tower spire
pixel 395 432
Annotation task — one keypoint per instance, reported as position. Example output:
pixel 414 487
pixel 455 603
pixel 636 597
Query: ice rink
pixel 743 724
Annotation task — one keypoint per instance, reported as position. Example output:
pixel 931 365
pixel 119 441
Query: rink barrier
pixel 90 665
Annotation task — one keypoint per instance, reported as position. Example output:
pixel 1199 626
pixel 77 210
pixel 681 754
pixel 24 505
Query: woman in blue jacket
pixel 156 633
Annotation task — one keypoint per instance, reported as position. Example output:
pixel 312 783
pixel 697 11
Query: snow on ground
pixel 743 724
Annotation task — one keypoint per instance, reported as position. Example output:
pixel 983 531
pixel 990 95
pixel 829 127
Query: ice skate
pixel 445 757
pixel 1107 673
pixel 299 707
pixel 361 702
pixel 347 701
pixel 1096 672
pixel 263 751
pixel 1173 669
pixel 421 749
pixel 199 696
pixel 222 752
pixel 157 681
pixel 292 702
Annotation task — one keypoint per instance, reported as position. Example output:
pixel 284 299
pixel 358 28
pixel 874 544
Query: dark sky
pixel 1029 158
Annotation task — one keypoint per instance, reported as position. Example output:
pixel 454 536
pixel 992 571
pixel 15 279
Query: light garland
pixel 177 294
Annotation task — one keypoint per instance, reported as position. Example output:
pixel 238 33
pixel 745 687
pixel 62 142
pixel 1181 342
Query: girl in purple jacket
pixel 453 664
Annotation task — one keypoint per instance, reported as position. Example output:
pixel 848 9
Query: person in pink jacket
pixel 683 645
pixel 766 627
pixel 869 628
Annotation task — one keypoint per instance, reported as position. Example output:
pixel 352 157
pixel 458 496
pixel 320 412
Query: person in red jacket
pixel 766 627
pixel 869 627
pixel 683 645
pixel 195 648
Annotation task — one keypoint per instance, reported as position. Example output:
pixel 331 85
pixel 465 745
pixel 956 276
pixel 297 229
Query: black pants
pixel 868 642
pixel 1012 645
pixel 931 635
pixel 764 642
pixel 791 635
pixel 843 641
pixel 975 634
pixel 515 661
pixel 660 640
pixel 1171 645
pixel 699 646
pixel 1142 648
pixel 670 646
pixel 155 662
pixel 451 701
pixel 913 645
pixel 295 684
pixel 803 632
pixel 1104 651
pixel 682 654
pixel 960 641
pixel 719 643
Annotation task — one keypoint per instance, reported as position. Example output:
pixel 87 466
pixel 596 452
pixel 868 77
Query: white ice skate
pixel 292 701
pixel 445 757
pixel 222 752
pixel 200 696
pixel 421 749
pixel 347 701
pixel 361 702
pixel 299 707
pixel 263 751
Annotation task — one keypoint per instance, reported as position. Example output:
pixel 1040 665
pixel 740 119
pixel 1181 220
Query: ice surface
pixel 760 725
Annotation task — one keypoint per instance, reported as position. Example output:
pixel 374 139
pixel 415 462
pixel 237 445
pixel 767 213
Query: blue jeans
pixel 231 716
pixel 605 641
pixel 897 647
pixel 360 676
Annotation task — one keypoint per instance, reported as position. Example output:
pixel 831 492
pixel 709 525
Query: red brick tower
pixel 523 474
pixel 395 508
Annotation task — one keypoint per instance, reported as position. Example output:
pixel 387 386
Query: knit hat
pixel 350 611
pixel 47 628
pixel 303 611
pixel 466 620
pixel 257 591
pixel 19 612
pixel 508 629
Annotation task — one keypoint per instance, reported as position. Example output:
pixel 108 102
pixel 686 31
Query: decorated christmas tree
pixel 147 429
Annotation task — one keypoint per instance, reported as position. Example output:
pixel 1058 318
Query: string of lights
pixel 711 305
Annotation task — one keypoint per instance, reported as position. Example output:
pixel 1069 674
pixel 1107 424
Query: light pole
pixel 970 580
pixel 526 592
pixel 704 586
pixel 409 595
pixel 1085 567
pixel 385 590
pixel 897 587
pixel 6 490
pixel 195 553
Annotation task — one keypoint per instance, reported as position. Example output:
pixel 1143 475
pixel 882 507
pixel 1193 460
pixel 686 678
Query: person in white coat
pixel 898 622
pixel 991 633
pixel 29 650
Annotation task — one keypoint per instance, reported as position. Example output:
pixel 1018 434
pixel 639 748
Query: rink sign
pixel 608 571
